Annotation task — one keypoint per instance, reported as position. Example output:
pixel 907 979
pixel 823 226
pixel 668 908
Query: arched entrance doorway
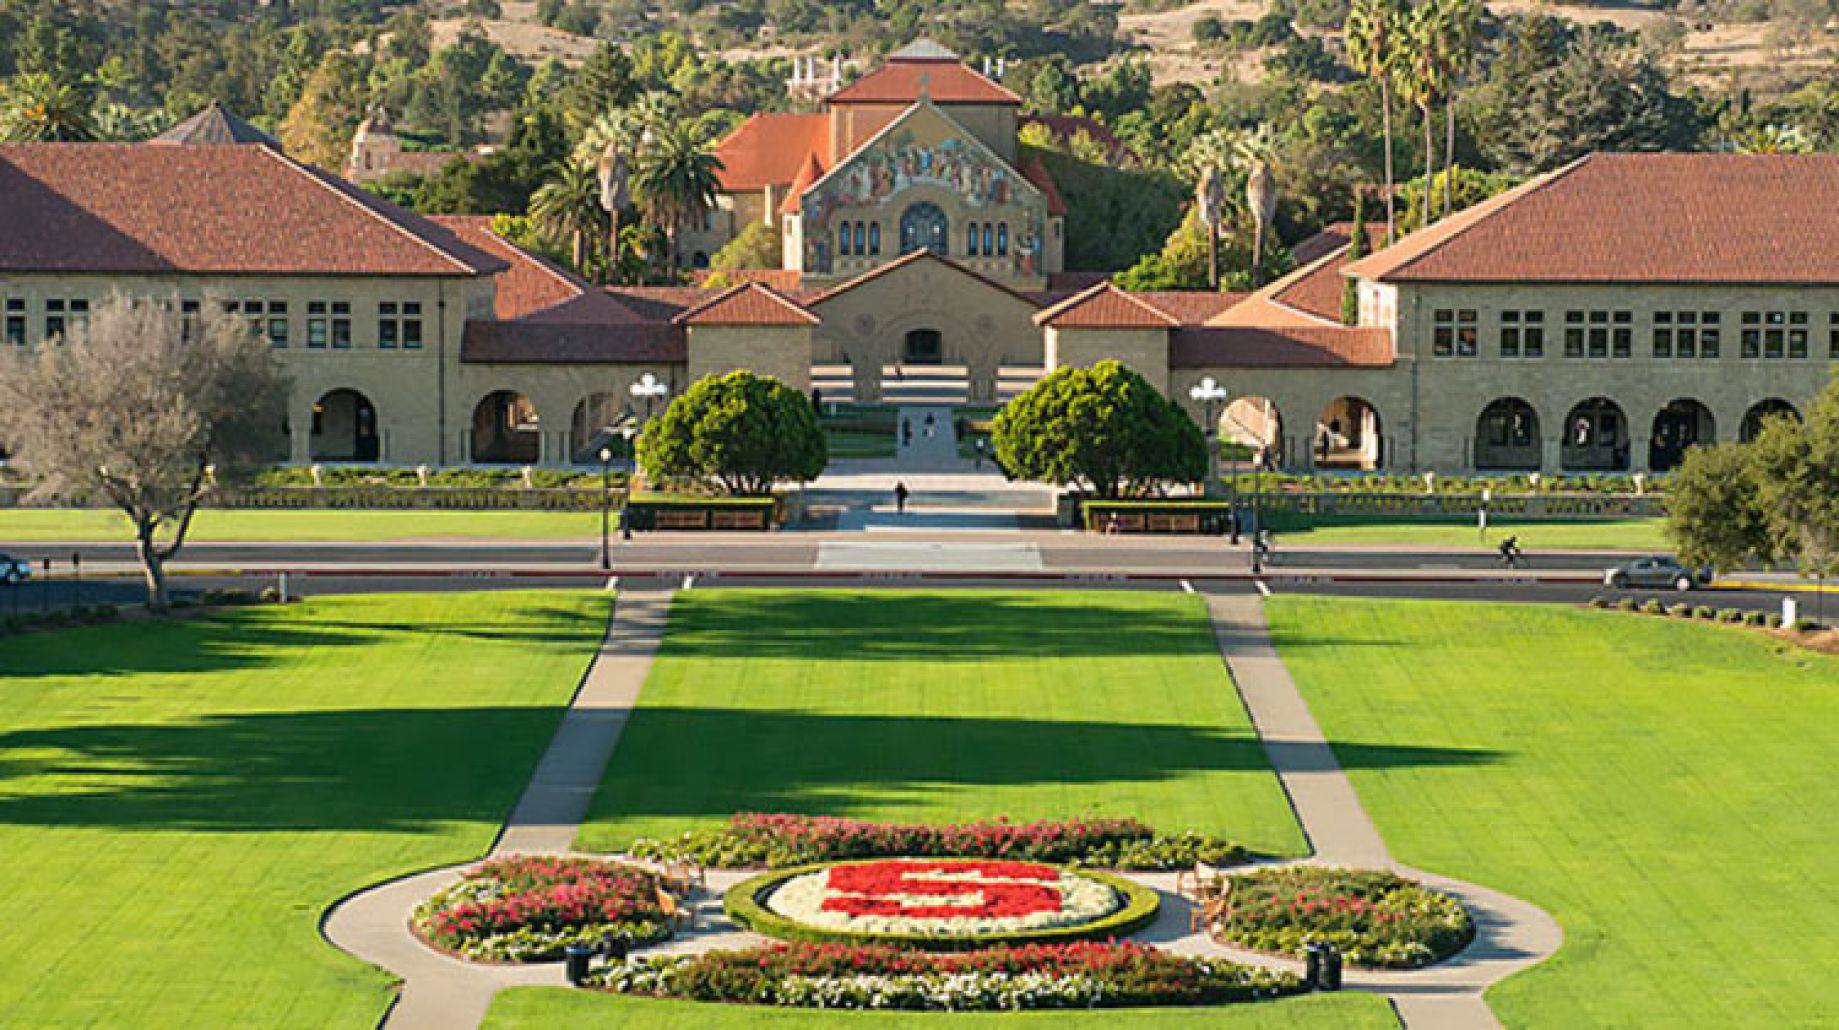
pixel 506 430
pixel 1595 437
pixel 1347 435
pixel 1507 436
pixel 924 227
pixel 923 347
pixel 592 428
pixel 1252 429
pixel 1761 412
pixel 344 428
pixel 1682 424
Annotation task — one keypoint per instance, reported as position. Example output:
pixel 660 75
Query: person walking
pixel 979 449
pixel 932 425
pixel 906 432
pixel 901 493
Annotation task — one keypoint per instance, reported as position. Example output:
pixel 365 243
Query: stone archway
pixel 344 428
pixel 1252 427
pixel 1507 437
pixel 1681 425
pixel 1595 437
pixel 506 430
pixel 923 347
pixel 591 428
pixel 1348 435
pixel 1761 412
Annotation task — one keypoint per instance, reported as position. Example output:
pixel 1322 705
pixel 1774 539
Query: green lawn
pixel 938 707
pixel 180 802
pixel 22 525
pixel 549 1007
pixel 1535 534
pixel 851 443
pixel 1666 789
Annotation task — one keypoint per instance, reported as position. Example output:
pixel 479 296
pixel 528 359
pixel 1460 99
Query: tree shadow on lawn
pixel 805 762
pixel 935 627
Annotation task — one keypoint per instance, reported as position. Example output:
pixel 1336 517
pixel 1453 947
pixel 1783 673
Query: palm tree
pixel 1254 151
pixel 37 108
pixel 567 207
pixel 1422 80
pixel 674 181
pixel 1373 31
pixel 1460 21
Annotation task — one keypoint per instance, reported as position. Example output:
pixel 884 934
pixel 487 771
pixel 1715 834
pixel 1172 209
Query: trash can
pixel 1312 966
pixel 1331 968
pixel 615 947
pixel 574 962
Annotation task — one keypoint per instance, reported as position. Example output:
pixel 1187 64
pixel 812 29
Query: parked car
pixel 14 570
pixel 1660 572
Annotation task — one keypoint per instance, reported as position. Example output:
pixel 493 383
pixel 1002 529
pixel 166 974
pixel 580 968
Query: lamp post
pixel 627 431
pixel 650 390
pixel 1208 393
pixel 606 506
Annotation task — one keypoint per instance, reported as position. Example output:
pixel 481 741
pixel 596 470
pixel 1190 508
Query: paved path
pixel 442 993
pixel 1510 934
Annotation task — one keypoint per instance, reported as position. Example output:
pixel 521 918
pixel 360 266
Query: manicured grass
pixel 1665 788
pixel 1535 534
pixel 939 707
pixel 180 802
pixel 530 1007
pixel 849 443
pixel 23 525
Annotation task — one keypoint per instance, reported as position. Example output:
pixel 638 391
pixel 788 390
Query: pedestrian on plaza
pixel 1238 525
pixel 980 443
pixel 932 425
pixel 901 493
pixel 906 432
pixel 1111 525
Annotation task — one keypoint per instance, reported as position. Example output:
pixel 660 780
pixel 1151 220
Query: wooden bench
pixel 750 519
pixel 669 518
pixel 675 912
pixel 1174 523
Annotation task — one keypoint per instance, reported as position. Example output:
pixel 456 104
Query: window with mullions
pixel 1002 239
pixel 842 239
pixel 1453 333
pixel 1832 335
pixel 341 325
pixel 1774 334
pixel 16 324
pixel 970 239
pixel 55 313
pixel 317 327
pixel 277 324
pixel 874 237
pixel 1522 334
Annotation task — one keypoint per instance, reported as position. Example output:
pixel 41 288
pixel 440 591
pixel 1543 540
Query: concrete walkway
pixel 1510 934
pixel 443 993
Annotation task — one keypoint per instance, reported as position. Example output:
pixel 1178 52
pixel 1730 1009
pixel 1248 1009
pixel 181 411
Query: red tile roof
pixel 788 281
pixel 903 261
pixel 1333 237
pixel 545 343
pixel 808 174
pixel 1639 218
pixel 529 283
pixel 1280 347
pixel 1035 172
pixel 945 79
pixel 1104 307
pixel 747 304
pixel 133 208
pixel 660 303
pixel 769 149
pixel 1316 287
pixel 1189 307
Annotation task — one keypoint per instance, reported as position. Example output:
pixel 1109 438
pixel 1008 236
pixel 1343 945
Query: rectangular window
pixel 1663 334
pixel 316 325
pixel 341 325
pixel 1797 334
pixel 54 318
pixel 1573 334
pixel 387 325
pixel 1002 239
pixel 16 325
pixel 1522 334
pixel 1708 333
pixel 1510 334
pixel 1599 334
pixel 1832 335
pixel 1453 333
pixel 1774 334
pixel 874 237
pixel 411 312
pixel 1622 336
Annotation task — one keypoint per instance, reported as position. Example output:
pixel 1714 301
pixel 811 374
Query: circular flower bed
pixel 1374 918
pixel 528 908
pixel 1089 974
pixel 940 903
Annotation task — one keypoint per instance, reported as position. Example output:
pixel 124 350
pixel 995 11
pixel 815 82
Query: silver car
pixel 14 570
pixel 1655 573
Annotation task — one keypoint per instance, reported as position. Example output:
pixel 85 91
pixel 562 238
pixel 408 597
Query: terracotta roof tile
pixel 789 281
pixel 903 261
pixel 137 208
pixel 216 124
pixel 1333 237
pixel 660 303
pixel 808 174
pixel 529 283
pixel 1104 307
pixel 747 304
pixel 1188 307
pixel 532 342
pixel 1280 347
pixel 947 81
pixel 769 149
pixel 1639 218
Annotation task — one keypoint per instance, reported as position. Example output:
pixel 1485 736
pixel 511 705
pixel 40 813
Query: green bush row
pixel 1680 610
pixel 59 618
pixel 509 477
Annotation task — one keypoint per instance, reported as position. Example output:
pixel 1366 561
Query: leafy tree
pixel 146 410
pixel 604 81
pixel 1103 429
pixel 742 431
pixel 757 246
pixel 674 181
pixel 319 127
pixel 1712 514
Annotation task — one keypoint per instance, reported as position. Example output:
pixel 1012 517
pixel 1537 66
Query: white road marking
pixel 688 582
pixel 1259 583
pixel 1187 587
pixel 612 584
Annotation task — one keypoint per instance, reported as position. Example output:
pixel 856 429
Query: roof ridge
pixel 325 183
pixel 914 257
pixel 1502 201
pixel 748 286
pixel 1094 291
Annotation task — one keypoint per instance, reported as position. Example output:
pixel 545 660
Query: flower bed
pixel 779 841
pixel 528 908
pixel 1374 918
pixel 940 904
pixel 1038 976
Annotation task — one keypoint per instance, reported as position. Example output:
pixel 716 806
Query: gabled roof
pixel 1639 218
pixel 906 260
pixel 1035 171
pixel 1280 347
pixel 523 342
pixel 1188 307
pixel 923 67
pixel 1103 306
pixel 1335 236
pixel 918 109
pixel 216 124
pixel 808 176
pixel 139 208
pixel 751 304
pixel 768 150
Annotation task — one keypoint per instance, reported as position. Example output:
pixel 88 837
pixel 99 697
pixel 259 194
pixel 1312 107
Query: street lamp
pixel 1208 393
pixel 606 506
pixel 650 390
pixel 627 430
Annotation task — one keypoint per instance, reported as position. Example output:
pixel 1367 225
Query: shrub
pixel 528 908
pixel 1754 619
pixel 1039 976
pixel 1773 620
pixel 1680 611
pixel 1599 601
pixel 1654 607
pixel 1730 615
pixel 778 841
pixel 1627 604
pixel 1806 625
pixel 1704 611
pixel 1375 918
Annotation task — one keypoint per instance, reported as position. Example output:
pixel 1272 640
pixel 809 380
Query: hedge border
pixel 743 905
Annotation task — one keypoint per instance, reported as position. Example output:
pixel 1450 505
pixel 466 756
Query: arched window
pixel 874 237
pixel 842 239
pixel 970 239
pixel 1002 240
pixel 988 241
pixel 861 238
pixel 924 226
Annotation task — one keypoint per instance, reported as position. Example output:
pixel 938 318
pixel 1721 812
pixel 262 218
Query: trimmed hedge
pixel 1376 918
pixel 744 903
